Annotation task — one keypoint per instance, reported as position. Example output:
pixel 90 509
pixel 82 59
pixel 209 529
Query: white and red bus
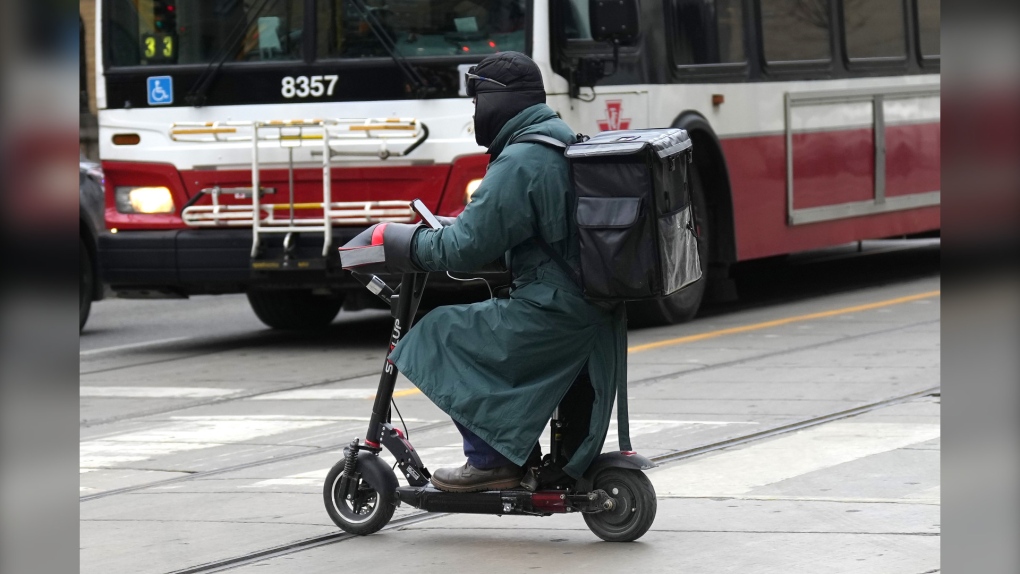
pixel 815 123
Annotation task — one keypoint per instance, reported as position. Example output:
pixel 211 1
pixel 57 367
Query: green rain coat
pixel 500 367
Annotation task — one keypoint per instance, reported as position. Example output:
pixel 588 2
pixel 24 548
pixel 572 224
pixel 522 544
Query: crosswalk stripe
pixel 329 394
pixel 741 471
pixel 453 453
pixel 186 434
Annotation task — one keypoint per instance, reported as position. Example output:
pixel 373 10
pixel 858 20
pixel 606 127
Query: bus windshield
pixel 177 32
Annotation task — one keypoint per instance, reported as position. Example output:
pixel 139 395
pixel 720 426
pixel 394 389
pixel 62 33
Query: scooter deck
pixel 517 501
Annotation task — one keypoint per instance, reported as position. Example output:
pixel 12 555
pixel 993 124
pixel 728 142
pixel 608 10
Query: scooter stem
pixel 406 300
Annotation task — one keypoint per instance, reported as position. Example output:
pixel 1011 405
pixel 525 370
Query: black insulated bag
pixel 634 216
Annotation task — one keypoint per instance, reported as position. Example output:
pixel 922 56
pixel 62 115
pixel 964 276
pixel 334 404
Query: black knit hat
pixel 505 84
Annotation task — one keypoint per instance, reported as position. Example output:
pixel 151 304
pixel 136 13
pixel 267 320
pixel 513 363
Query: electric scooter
pixel 361 492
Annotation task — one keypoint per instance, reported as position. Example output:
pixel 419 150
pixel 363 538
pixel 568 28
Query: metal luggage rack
pixel 371 137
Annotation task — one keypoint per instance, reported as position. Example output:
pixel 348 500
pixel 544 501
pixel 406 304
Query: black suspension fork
pixel 404 305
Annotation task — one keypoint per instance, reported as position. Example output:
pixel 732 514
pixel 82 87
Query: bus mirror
pixel 614 21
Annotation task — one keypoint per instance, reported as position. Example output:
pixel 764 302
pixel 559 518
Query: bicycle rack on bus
pixel 351 138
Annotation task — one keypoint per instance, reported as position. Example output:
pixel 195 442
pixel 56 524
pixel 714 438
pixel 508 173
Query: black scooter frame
pixel 403 303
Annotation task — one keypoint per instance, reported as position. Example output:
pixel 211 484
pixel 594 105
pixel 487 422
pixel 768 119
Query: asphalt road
pixel 205 436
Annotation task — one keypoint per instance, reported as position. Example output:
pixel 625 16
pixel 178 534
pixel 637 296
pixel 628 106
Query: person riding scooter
pixel 500 367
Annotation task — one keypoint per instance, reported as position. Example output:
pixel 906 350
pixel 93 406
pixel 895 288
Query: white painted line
pixel 132 346
pixel 741 471
pixel 285 418
pixel 316 395
pixel 155 392
pixel 851 500
pixel 185 434
pixel 313 478
pixel 453 454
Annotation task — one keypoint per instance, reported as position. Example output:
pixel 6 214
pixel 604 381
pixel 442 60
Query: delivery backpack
pixel 633 211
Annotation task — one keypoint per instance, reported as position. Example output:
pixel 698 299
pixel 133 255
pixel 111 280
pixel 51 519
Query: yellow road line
pixel 785 321
pixel 753 327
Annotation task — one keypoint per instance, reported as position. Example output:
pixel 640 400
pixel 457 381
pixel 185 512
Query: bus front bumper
pixel 183 262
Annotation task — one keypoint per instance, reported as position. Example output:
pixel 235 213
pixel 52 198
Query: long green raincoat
pixel 500 367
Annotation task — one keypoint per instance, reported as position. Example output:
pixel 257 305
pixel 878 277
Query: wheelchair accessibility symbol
pixel 160 90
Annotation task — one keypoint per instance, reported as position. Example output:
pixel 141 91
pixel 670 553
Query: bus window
pixel 928 27
pixel 708 32
pixel 874 29
pixel 795 30
pixel 576 24
pixel 161 32
pixel 420 27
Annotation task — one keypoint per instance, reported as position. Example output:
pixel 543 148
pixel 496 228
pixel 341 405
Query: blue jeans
pixel 482 456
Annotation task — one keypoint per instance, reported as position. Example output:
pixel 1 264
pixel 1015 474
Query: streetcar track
pixel 665 458
pixel 318 450
pixel 298 546
pixel 779 353
pixel 677 455
pixel 653 379
pixel 236 467
pixel 219 400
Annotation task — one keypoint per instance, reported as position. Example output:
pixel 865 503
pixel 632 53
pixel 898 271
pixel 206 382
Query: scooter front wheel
pixel 633 509
pixel 372 506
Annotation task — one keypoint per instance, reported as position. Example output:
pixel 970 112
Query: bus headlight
pixel 470 189
pixel 144 200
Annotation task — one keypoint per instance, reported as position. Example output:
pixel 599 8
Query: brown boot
pixel 470 479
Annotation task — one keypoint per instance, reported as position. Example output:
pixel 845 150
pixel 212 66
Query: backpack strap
pixel 537 238
pixel 623 418
pixel 539 138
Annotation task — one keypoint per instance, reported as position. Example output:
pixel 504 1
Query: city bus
pixel 223 126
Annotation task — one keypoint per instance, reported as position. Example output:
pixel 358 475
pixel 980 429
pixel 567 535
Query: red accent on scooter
pixel 377 234
pixel 399 433
pixel 371 443
pixel 628 452
pixel 549 501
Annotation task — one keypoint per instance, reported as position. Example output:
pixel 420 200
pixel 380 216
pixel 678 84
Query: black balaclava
pixel 496 105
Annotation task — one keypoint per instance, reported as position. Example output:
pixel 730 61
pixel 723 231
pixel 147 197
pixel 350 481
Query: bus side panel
pixel 913 159
pixel 833 167
pixel 757 167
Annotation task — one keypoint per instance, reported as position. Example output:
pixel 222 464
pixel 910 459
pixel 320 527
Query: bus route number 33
pixel 305 86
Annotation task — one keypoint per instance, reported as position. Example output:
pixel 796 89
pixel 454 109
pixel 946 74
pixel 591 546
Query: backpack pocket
pixel 617 248
pixel 681 264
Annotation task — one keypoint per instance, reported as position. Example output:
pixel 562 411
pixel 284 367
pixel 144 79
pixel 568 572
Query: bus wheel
pixel 682 305
pixel 294 309
pixel 86 283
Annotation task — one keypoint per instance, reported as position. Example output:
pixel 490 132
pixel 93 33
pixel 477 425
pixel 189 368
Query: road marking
pixel 740 472
pixel 132 346
pixel 155 392
pixel 316 395
pixel 785 321
pixel 453 453
pixel 908 499
pixel 187 434
pixel 328 394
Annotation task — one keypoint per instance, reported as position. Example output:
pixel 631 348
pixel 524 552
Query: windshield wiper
pixel 196 95
pixel 421 86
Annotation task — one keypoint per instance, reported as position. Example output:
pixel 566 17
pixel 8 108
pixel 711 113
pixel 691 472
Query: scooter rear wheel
pixel 367 512
pixel 634 509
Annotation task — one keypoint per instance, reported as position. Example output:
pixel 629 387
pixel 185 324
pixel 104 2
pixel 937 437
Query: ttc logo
pixel 613 120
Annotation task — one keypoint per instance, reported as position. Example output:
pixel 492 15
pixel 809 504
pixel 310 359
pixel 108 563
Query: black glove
pixel 398 238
